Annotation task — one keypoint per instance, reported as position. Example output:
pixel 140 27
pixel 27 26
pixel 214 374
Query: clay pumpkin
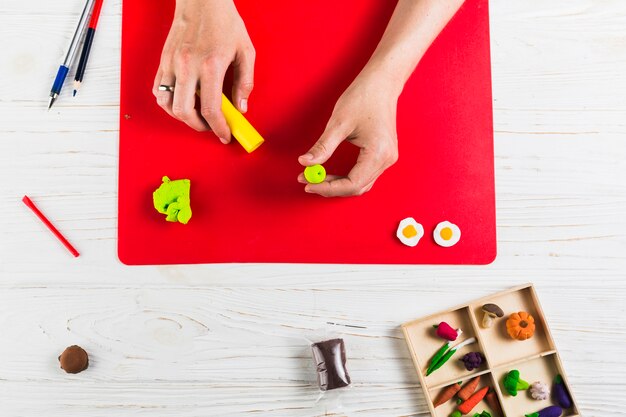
pixel 520 326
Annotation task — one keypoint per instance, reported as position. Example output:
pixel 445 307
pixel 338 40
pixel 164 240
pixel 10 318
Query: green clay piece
pixel 443 360
pixel 456 413
pixel 315 174
pixel 438 355
pixel 441 356
pixel 172 199
pixel 513 383
pixel 483 414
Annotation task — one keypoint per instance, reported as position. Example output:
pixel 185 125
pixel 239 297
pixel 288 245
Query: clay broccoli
pixel 552 411
pixel 472 360
pixel 513 382
pixel 172 199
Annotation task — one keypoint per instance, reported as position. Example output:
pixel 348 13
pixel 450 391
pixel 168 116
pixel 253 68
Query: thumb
pixel 324 147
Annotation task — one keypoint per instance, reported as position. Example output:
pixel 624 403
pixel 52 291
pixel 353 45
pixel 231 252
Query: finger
pixel 325 146
pixel 164 98
pixel 211 85
pixel 184 104
pixel 303 180
pixel 157 82
pixel 243 79
pixel 362 175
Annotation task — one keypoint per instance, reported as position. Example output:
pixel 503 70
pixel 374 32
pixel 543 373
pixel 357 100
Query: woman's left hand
pixel 365 116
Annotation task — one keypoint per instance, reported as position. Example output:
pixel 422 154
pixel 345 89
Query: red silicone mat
pixel 249 207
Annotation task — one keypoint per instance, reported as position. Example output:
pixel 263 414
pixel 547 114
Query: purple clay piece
pixel 560 394
pixel 552 411
pixel 472 360
pixel 330 361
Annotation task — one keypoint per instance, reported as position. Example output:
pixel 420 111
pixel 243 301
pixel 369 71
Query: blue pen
pixel 69 58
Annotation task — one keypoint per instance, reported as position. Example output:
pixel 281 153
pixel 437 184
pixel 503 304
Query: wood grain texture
pixel 230 340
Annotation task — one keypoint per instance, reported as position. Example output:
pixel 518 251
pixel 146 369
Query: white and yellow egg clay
pixel 410 232
pixel 447 234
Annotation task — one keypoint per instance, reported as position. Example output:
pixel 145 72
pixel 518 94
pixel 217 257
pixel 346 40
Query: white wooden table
pixel 228 340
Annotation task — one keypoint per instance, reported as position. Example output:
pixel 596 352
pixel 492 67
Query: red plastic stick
pixel 50 226
pixel 95 15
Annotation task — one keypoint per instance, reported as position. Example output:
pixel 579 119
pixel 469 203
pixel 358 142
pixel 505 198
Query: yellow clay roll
pixel 240 127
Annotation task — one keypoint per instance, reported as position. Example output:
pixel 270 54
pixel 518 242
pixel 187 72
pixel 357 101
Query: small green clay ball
pixel 315 174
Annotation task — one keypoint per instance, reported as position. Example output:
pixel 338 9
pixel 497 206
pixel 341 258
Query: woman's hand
pixel 206 37
pixel 365 115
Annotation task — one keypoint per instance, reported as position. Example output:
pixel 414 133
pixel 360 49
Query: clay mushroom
pixel 491 311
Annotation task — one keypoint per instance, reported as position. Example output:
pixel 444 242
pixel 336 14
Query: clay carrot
pixel 492 401
pixel 468 389
pixel 473 401
pixel 446 394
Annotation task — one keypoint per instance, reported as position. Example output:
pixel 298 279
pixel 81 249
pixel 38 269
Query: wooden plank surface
pixel 230 340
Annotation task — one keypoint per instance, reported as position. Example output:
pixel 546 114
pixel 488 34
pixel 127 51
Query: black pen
pixel 84 56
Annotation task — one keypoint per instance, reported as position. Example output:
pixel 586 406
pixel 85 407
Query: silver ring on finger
pixel 168 88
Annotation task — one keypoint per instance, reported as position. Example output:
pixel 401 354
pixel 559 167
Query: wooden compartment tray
pixel 536 358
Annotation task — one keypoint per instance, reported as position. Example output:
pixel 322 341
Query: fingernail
pixel 307 156
pixel 243 105
pixel 307 190
pixel 224 141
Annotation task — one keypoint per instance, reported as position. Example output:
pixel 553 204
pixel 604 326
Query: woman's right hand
pixel 206 37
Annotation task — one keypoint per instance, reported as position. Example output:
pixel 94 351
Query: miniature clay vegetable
pixel 539 391
pixel 491 311
pixel 472 360
pixel 446 394
pixel 468 389
pixel 483 414
pixel 440 353
pixel 467 406
pixel 552 411
pixel 560 394
pixel 492 401
pixel 443 359
pixel 513 383
pixel 445 331
pixel 520 326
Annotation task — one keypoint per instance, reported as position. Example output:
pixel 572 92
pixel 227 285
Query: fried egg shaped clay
pixel 447 234
pixel 410 232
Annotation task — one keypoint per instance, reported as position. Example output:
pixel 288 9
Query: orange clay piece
pixel 468 389
pixel 409 231
pixel 473 401
pixel 446 233
pixel 446 394
pixel 492 401
pixel 520 326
